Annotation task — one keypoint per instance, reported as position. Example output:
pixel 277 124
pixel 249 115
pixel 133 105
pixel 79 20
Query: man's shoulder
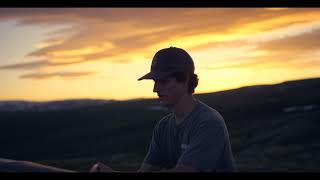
pixel 164 121
pixel 208 111
pixel 210 120
pixel 209 115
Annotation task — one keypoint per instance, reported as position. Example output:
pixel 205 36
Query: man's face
pixel 169 91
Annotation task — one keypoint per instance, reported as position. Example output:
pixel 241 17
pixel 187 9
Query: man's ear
pixel 186 83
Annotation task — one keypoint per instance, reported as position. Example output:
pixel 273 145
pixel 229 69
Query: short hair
pixel 182 77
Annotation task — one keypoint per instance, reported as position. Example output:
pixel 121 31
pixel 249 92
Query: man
pixel 193 137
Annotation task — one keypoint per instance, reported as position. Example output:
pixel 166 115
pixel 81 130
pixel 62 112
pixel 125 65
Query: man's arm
pixel 148 168
pixel 100 167
pixel 181 168
pixel 207 143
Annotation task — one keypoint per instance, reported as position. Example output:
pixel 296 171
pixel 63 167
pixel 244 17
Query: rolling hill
pixel 272 128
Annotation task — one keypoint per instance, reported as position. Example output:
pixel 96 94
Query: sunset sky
pixel 99 53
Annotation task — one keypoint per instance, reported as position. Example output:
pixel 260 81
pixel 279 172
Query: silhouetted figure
pixel 193 137
pixel 9 165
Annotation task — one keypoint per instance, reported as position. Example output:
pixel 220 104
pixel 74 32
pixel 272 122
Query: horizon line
pixel 147 98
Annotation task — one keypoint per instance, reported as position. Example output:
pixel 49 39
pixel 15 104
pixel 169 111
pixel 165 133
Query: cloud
pixel 91 34
pixel 266 62
pixel 29 65
pixel 37 64
pixel 41 76
pixel 301 43
pixel 130 30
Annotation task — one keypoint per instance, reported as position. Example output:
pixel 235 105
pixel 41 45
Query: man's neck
pixel 183 108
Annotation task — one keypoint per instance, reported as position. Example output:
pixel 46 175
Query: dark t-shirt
pixel 200 141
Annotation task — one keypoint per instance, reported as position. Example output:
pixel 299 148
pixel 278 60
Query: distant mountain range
pixel 268 94
pixel 29 106
pixel 290 96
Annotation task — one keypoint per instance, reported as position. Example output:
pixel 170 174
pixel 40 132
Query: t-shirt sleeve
pixel 206 144
pixel 154 155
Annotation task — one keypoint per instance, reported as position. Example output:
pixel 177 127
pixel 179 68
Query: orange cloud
pixel 56 74
pixel 29 65
pixel 92 34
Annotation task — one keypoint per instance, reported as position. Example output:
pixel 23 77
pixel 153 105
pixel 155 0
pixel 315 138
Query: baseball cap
pixel 168 61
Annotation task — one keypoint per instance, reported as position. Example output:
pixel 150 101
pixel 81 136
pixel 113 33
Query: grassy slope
pixel 263 137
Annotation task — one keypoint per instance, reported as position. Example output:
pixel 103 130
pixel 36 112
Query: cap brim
pixel 155 75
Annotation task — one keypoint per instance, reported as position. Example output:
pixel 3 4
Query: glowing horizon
pixel 87 53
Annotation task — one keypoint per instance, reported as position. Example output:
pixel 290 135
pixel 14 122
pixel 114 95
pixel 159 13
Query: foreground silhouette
pixel 9 165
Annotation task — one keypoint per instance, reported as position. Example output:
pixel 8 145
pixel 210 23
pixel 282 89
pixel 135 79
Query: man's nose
pixel 155 87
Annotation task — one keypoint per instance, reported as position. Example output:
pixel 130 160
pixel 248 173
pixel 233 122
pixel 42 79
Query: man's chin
pixel 165 104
